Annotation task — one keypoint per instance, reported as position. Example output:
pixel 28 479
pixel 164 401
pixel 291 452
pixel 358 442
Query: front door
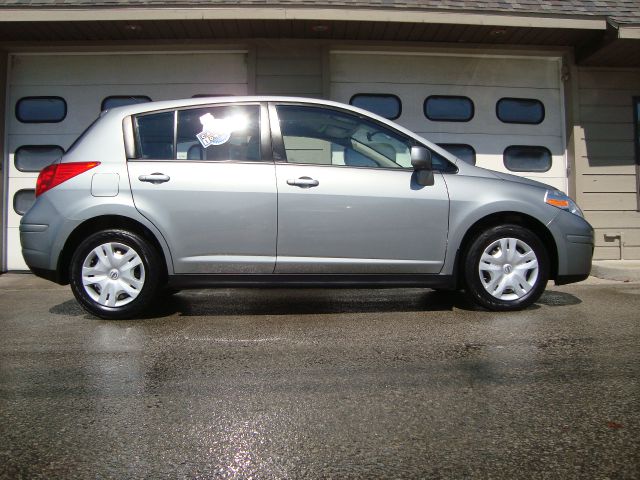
pixel 208 184
pixel 348 200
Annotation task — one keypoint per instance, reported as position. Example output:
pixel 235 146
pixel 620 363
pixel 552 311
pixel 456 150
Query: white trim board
pixel 319 14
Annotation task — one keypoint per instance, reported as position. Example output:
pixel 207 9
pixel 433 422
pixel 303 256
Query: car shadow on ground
pixel 230 302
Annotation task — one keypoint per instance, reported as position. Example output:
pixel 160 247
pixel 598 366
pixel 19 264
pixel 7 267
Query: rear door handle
pixel 154 178
pixel 303 182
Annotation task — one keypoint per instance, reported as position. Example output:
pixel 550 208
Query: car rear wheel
pixel 115 274
pixel 506 268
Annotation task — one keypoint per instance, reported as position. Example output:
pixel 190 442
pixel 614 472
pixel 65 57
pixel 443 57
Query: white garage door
pixel 505 113
pixel 44 86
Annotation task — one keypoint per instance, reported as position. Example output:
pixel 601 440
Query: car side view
pixel 280 191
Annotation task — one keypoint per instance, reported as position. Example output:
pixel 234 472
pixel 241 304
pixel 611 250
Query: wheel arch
pixel 502 218
pixel 104 222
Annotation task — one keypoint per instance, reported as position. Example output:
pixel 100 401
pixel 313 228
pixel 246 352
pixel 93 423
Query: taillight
pixel 57 173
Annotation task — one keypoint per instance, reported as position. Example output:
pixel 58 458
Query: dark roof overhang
pixel 596 39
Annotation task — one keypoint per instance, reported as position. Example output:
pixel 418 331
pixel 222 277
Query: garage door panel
pixel 483 79
pixel 139 69
pixel 484 100
pixel 444 70
pixel 83 81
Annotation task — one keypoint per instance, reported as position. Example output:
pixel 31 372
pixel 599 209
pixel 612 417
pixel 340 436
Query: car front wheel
pixel 506 268
pixel 115 274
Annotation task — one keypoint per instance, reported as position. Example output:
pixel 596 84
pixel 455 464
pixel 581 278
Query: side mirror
pixel 421 162
pixel 420 158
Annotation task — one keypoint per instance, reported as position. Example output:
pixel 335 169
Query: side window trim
pixel 277 142
pixel 129 135
pixel 266 146
pixel 175 135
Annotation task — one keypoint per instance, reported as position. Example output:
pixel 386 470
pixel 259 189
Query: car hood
pixel 517 179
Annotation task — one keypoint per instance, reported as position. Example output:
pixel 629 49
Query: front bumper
pixel 575 242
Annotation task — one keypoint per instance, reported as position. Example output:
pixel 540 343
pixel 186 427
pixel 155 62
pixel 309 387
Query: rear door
pixel 348 200
pixel 205 177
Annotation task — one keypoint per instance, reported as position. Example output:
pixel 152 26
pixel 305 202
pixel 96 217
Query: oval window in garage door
pixel 41 109
pixel 122 100
pixel 520 110
pixel 386 105
pixel 527 158
pixel 464 152
pixel 33 158
pixel 23 199
pixel 449 108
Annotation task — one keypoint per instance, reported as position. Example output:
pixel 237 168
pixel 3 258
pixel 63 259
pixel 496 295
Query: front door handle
pixel 303 182
pixel 154 178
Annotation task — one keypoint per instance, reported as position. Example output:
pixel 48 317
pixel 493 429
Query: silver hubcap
pixel 113 274
pixel 508 269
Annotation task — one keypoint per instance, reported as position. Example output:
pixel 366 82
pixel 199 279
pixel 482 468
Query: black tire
pixel 150 270
pixel 475 280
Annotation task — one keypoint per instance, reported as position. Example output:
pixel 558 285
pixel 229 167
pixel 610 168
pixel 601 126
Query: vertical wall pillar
pixel 4 167
pixel 569 74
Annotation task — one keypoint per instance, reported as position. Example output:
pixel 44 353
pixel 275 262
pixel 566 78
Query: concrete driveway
pixel 321 384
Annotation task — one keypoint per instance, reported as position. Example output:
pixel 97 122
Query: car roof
pixel 188 102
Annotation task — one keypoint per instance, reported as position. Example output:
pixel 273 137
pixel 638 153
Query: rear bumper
pixel 39 251
pixel 36 244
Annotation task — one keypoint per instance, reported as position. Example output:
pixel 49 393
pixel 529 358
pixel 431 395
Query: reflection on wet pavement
pixel 321 384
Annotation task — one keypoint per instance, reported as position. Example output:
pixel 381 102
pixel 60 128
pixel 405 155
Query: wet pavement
pixel 321 384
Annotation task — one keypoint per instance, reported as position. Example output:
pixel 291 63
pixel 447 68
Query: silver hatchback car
pixel 278 191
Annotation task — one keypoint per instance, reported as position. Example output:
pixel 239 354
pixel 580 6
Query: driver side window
pixel 321 136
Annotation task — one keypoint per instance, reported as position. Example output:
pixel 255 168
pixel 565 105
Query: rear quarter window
pixel 154 136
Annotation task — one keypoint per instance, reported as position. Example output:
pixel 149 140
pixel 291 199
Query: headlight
pixel 558 199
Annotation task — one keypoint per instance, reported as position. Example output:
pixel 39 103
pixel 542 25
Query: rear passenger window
pixel 33 158
pixel 154 134
pixel 443 108
pixel 525 158
pixel 385 105
pixel 122 100
pixel 520 110
pixel 219 133
pixel 466 153
pixel 41 109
